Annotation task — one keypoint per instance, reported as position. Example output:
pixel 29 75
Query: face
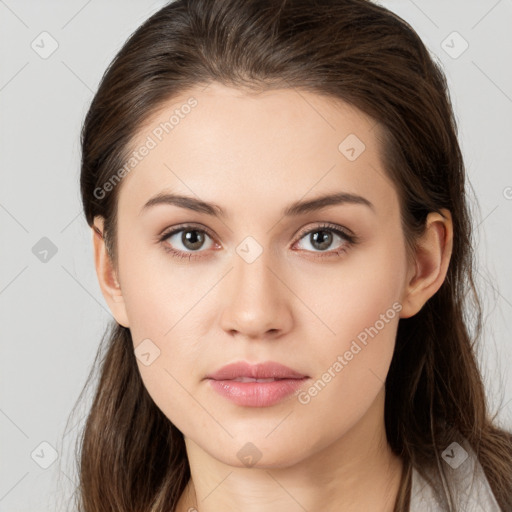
pixel 318 290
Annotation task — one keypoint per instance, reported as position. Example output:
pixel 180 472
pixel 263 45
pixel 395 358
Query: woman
pixel 280 229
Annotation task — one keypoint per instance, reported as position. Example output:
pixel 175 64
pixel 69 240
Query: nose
pixel 257 304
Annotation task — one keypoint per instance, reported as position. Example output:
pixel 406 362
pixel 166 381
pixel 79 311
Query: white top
pixel 467 481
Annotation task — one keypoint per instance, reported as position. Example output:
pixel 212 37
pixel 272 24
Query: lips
pixel 256 385
pixel 242 371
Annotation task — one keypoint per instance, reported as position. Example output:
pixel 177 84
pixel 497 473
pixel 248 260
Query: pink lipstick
pixel 258 385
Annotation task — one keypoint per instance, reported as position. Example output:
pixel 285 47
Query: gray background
pixel 52 312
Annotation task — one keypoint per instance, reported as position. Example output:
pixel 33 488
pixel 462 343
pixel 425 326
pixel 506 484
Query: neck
pixel 356 472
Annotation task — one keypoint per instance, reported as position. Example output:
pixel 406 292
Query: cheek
pixel 352 297
pixel 360 305
pixel 162 303
pixel 156 290
pixel 352 365
pixel 164 322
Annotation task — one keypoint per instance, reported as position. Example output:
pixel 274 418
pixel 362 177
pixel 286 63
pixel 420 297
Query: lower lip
pixel 257 394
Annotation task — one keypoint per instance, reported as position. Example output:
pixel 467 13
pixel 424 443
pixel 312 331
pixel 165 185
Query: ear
pixel 107 276
pixel 432 257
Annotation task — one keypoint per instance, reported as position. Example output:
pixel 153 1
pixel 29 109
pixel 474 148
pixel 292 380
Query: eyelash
pixel 351 240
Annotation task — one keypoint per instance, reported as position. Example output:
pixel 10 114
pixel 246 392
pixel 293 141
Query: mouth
pixel 259 385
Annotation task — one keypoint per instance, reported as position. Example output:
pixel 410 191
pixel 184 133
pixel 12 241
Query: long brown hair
pixel 131 457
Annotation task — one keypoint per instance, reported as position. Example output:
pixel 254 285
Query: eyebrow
pixel 295 209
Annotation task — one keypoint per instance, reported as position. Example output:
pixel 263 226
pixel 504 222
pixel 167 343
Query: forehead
pixel 222 143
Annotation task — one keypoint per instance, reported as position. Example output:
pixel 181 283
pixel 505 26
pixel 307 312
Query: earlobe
pixel 432 258
pixel 107 275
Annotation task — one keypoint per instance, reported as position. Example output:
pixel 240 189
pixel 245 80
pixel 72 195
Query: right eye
pixel 191 239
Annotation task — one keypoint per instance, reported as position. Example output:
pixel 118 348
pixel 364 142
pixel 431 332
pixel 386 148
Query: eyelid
pixel 347 233
pixel 167 232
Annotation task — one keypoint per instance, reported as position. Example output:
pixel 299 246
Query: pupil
pixel 322 241
pixel 192 239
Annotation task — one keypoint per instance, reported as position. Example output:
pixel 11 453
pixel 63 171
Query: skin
pixel 253 155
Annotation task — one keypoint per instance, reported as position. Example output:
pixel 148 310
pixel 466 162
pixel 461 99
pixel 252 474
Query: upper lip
pixel 266 370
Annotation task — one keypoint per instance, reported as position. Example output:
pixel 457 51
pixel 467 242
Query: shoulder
pixel 465 479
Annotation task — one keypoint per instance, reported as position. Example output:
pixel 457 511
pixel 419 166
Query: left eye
pixel 322 238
